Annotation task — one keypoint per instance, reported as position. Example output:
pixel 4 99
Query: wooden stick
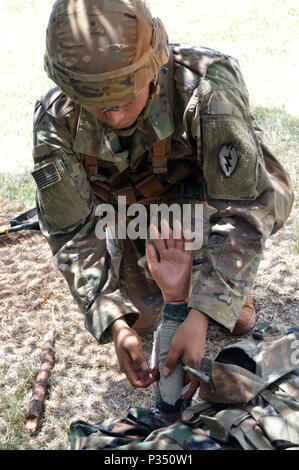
pixel 37 400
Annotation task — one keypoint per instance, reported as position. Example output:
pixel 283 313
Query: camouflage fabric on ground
pixel 253 394
pixel 267 419
pixel 141 429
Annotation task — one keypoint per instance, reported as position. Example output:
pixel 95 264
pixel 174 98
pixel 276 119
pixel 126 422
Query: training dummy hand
pixel 172 272
pixel 173 275
pixel 129 354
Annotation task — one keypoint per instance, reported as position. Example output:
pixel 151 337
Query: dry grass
pixel 85 382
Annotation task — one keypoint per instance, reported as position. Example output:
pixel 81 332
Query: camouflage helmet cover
pixel 102 53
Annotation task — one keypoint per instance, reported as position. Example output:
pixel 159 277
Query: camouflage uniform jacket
pixel 217 140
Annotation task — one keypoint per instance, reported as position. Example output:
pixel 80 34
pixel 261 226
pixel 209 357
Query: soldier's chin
pixel 125 130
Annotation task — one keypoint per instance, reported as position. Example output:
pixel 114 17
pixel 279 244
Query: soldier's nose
pixel 116 118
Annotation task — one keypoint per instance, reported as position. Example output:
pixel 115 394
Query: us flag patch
pixel 46 175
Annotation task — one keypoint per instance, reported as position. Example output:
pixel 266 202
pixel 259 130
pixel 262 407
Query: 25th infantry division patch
pixel 228 159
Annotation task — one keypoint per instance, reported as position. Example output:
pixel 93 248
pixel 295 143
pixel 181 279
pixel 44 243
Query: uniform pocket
pixel 231 155
pixel 63 190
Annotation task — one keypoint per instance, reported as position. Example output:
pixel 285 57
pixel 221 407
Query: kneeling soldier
pixel 134 116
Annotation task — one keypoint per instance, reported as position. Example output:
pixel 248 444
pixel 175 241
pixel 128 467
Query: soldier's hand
pixel 129 354
pixel 172 272
pixel 188 344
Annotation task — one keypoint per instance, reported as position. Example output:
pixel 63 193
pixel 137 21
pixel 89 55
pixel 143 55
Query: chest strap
pixel 160 152
pixel 150 188
pixel 90 163
pixel 144 190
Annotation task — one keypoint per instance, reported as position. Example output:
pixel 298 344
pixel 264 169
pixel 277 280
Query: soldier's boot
pixel 246 320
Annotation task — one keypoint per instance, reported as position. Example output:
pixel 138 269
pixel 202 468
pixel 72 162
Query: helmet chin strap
pixel 127 131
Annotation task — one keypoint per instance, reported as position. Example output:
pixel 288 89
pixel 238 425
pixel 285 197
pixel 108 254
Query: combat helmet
pixel 103 53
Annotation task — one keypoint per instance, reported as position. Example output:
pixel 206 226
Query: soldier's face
pixel 120 117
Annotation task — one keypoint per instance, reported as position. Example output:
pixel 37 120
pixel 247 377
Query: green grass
pixel 12 408
pixel 17 190
pixel 13 417
pixel 281 134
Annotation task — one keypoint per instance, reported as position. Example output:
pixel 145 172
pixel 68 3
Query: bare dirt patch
pixel 85 382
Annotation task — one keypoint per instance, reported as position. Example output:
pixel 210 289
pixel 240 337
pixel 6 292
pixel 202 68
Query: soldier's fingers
pixel 145 377
pixel 186 379
pixel 126 368
pixel 136 379
pixel 155 374
pixel 167 234
pixel 192 389
pixel 171 361
pixel 139 362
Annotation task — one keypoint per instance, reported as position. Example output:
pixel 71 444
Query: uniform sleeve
pixel 66 210
pixel 252 195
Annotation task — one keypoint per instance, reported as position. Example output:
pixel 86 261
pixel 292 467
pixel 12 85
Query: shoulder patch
pixel 228 158
pixel 46 175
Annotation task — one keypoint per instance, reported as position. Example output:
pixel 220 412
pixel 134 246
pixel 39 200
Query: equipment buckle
pixel 198 374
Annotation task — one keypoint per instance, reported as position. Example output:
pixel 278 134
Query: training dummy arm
pixel 183 341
